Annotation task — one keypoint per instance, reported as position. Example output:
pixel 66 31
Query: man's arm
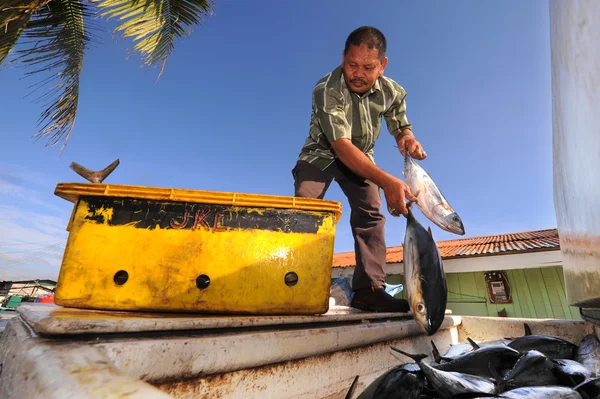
pixel 329 106
pixel 398 125
pixel 395 190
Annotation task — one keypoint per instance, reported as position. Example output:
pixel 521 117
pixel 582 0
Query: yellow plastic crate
pixel 159 249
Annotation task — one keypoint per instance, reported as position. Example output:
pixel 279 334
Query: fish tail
pixel 436 353
pixel 352 388
pixel 417 358
pixel 91 176
pixel 409 216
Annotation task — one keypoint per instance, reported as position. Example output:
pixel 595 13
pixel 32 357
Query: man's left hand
pixel 408 141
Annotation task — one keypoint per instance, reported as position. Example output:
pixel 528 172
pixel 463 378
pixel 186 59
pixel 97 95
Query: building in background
pixel 14 292
pixel 511 275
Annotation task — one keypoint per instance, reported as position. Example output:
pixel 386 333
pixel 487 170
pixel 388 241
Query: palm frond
pixel 155 24
pixel 55 40
pixel 14 15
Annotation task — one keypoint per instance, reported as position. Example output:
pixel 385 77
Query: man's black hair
pixel 370 36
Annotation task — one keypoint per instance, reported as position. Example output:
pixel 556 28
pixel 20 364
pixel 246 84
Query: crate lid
pixel 72 191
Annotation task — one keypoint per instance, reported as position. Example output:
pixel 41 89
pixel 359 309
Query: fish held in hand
pixel 430 200
pixel 426 289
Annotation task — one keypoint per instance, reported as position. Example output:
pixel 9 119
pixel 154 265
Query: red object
pixel 47 299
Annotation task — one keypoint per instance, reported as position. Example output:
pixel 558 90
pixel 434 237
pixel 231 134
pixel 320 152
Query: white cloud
pixel 32 244
pixel 32 228
pixel 17 192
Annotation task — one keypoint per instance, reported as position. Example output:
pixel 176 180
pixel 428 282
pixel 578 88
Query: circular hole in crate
pixel 121 277
pixel 203 281
pixel 291 279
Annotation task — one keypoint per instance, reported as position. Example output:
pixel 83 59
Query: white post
pixel 575 49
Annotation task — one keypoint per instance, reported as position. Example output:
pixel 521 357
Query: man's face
pixel 362 67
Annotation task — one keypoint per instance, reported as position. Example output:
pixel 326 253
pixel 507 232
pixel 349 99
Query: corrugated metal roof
pixel 501 244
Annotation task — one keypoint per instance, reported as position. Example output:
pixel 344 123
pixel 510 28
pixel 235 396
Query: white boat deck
pixel 48 319
pixel 53 352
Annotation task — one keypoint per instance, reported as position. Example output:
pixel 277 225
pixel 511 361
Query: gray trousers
pixel 366 220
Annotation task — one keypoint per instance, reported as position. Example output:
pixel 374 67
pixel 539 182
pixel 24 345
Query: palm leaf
pixel 155 24
pixel 14 15
pixel 55 40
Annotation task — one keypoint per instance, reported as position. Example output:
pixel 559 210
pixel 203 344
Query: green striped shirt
pixel 338 113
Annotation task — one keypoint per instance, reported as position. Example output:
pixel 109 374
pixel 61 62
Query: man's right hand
pixel 396 192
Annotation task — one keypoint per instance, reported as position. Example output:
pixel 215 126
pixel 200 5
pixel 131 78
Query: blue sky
pixel 232 110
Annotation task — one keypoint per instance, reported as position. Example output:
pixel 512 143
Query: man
pixel 348 104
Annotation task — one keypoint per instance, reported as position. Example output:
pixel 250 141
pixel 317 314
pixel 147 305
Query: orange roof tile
pixel 501 244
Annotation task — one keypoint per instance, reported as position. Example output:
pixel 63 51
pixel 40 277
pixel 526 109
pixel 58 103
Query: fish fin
pixel 352 388
pixel 578 386
pixel 473 343
pixel 436 353
pixel 498 380
pixel 82 171
pixel 429 230
pixel 527 329
pixel 417 358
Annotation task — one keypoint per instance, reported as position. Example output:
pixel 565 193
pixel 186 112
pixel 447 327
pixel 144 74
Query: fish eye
pixel 456 219
pixel 420 308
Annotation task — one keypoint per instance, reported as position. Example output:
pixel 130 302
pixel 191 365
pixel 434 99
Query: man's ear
pixel 383 65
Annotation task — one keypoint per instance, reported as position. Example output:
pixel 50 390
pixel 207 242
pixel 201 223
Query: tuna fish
pixel 590 389
pixel 588 354
pixel 429 198
pixel 548 392
pixel 424 276
pixel 481 361
pixel 404 381
pixel 454 351
pixel 571 372
pixel 532 369
pixel 553 348
pixel 448 384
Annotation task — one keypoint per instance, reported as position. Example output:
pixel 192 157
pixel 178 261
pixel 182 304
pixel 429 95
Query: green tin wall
pixel 536 293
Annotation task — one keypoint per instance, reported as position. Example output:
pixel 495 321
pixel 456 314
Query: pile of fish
pixel 527 367
pixel 424 276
